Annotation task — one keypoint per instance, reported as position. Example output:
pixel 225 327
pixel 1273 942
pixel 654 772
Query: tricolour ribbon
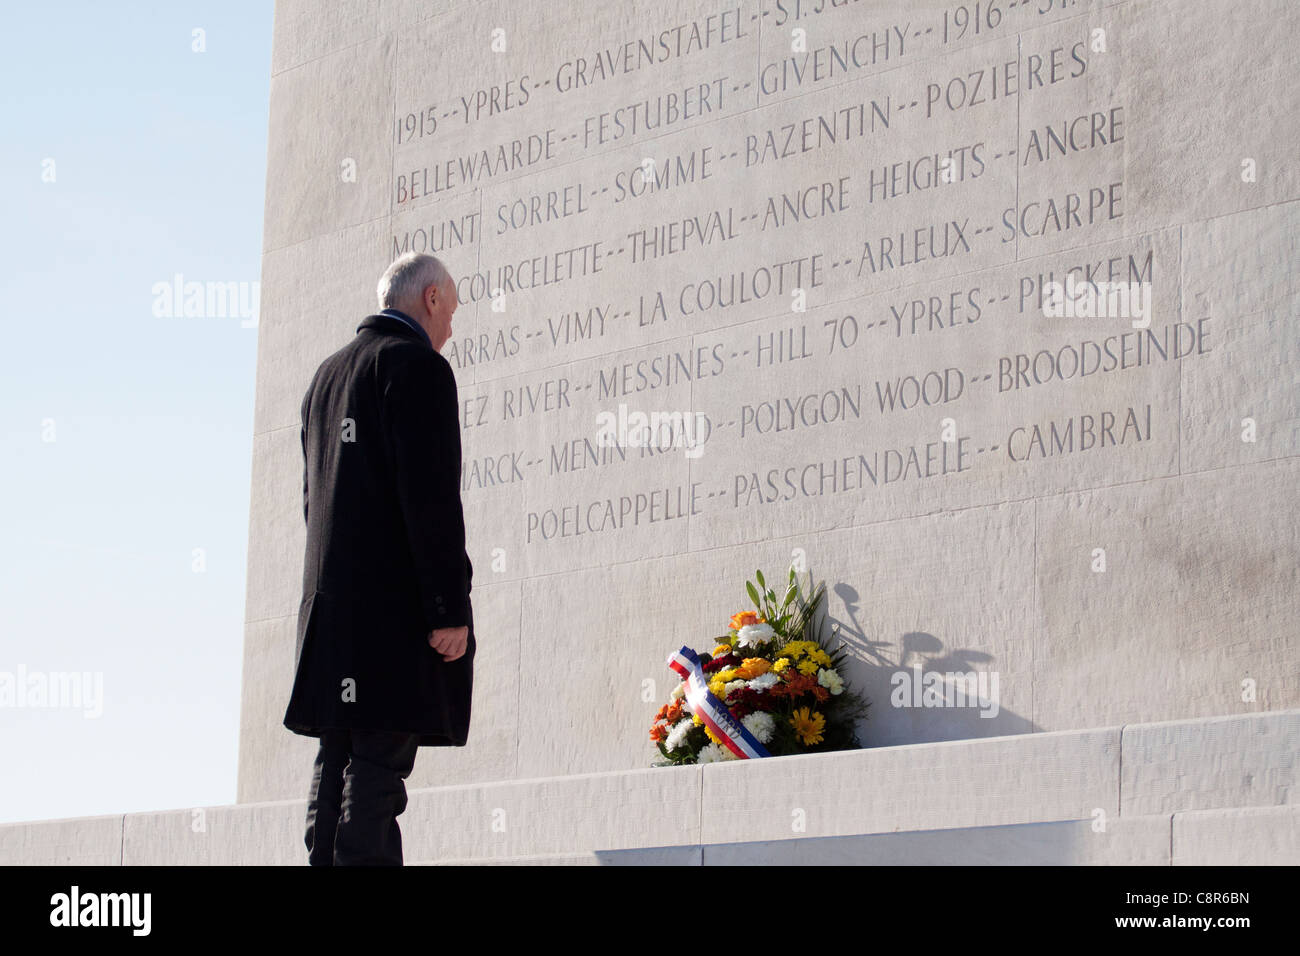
pixel 734 735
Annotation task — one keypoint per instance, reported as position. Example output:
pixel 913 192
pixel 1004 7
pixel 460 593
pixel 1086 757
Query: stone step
pixel 1230 837
pixel 1220 788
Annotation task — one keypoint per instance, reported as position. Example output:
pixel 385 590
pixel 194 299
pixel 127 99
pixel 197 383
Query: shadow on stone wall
pixel 966 691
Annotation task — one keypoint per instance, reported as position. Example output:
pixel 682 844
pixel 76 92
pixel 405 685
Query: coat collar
pixel 395 326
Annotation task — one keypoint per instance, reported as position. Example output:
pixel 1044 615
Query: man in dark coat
pixel 385 647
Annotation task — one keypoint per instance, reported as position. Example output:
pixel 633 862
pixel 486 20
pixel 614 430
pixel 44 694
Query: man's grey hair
pixel 403 283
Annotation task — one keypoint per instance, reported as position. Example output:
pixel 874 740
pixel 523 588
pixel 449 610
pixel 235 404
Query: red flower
pixel 797 685
pixel 746 701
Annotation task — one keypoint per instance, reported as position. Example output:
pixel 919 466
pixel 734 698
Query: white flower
pixel 678 733
pixel 760 724
pixel 754 635
pixel 830 680
pixel 763 681
pixel 732 686
pixel 678 692
pixel 709 753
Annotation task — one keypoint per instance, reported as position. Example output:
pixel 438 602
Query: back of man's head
pixel 403 283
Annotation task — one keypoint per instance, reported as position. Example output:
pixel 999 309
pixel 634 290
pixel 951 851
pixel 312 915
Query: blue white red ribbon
pixel 734 735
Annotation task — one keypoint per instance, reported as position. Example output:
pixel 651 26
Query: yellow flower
pixel 781 664
pixel 752 667
pixel 808 726
pixel 724 676
pixel 720 650
pixel 808 667
pixel 809 649
pixel 716 687
pixel 697 720
pixel 713 736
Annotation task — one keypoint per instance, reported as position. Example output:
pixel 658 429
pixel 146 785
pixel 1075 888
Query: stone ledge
pixel 1026 797
pixel 1239 836
pixel 1139 841
pixel 1212 762
pixel 73 841
pixel 1248 836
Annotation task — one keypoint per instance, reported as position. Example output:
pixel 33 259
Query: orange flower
pixel 797 684
pixel 674 712
pixel 658 732
pixel 753 667
pixel 743 619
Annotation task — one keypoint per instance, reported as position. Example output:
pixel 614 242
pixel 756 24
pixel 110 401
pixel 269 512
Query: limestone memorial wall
pixel 984 313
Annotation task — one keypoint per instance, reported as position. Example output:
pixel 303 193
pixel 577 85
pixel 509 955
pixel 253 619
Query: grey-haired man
pixel 385 652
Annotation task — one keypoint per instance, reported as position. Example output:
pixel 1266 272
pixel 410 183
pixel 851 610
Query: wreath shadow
pixel 920 689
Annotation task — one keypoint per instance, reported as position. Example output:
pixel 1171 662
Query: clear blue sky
pixel 159 168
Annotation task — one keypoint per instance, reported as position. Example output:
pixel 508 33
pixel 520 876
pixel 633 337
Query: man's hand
pixel 450 642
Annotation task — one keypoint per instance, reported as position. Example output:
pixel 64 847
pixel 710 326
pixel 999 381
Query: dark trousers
pixel 358 790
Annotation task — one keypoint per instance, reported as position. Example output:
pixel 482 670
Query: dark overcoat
pixel 385 561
